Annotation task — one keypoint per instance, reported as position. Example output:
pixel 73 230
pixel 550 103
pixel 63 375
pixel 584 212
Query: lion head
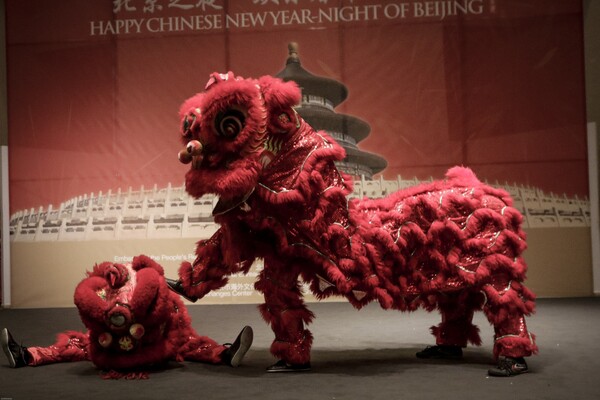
pixel 227 128
pixel 128 310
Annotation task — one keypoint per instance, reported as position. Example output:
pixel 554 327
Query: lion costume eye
pixel 188 122
pixel 229 123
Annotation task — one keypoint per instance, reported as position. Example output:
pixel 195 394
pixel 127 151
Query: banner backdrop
pixel 94 88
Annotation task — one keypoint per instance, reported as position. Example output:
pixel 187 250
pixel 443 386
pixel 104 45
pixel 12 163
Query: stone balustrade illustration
pixel 171 213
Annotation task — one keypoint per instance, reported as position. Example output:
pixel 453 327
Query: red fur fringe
pixel 515 347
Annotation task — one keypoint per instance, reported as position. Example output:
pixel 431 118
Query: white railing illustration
pixel 171 213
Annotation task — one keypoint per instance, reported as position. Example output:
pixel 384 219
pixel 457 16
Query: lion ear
pixel 279 95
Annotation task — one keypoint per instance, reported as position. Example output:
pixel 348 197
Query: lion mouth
pixel 231 176
pixel 197 155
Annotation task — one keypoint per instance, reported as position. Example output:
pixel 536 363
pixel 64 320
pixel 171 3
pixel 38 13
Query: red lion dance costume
pixel 134 323
pixel 453 245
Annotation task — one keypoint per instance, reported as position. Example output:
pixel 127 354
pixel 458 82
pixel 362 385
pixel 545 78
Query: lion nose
pixel 118 319
pixel 192 149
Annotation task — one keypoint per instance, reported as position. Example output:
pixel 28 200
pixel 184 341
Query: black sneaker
pixel 509 366
pixel 441 352
pixel 282 366
pixel 177 287
pixel 234 354
pixel 17 355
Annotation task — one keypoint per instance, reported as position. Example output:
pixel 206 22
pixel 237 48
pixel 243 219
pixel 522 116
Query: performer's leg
pixel 285 311
pixel 204 349
pixel 506 308
pixel 69 346
pixel 456 328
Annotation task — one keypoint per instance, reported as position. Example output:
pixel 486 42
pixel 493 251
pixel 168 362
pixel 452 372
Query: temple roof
pixel 373 161
pixel 327 88
pixel 334 122
pixel 321 116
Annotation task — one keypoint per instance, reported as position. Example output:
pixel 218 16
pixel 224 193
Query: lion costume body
pixel 453 245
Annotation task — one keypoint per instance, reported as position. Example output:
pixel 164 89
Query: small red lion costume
pixel 453 245
pixel 134 323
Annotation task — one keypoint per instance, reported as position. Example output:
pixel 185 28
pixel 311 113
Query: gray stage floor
pixel 366 354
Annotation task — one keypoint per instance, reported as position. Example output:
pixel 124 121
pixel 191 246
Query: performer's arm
pixel 216 260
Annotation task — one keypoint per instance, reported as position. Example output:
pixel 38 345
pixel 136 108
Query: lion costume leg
pixel 69 346
pixel 284 310
pixel 506 308
pixel 456 328
pixel 202 349
pixel 191 346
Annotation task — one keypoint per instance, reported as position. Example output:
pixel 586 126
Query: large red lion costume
pixel 453 245
pixel 134 323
